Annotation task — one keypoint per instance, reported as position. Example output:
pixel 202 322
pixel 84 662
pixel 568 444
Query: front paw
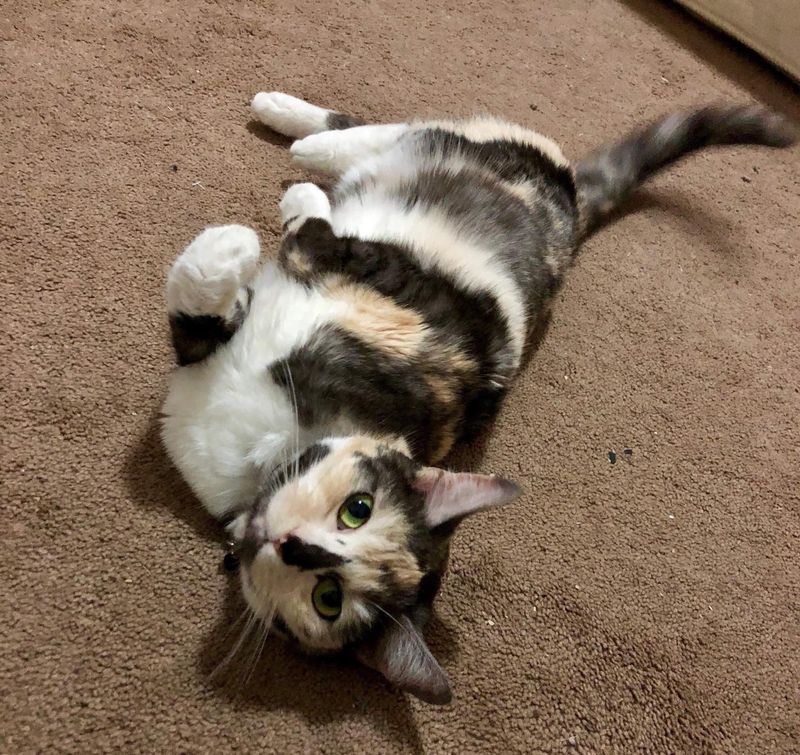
pixel 207 277
pixel 303 201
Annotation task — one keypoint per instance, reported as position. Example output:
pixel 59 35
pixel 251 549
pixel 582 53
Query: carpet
pixel 649 604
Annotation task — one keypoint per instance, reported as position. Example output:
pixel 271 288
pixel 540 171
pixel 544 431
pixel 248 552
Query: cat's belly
pixel 386 213
pixel 225 420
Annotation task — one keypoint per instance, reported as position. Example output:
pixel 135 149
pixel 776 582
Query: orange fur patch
pixel 378 321
pixel 298 263
pixel 447 439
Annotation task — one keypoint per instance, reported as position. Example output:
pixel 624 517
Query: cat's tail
pixel 607 176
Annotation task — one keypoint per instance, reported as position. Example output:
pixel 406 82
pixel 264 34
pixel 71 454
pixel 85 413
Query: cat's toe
pixel 316 152
pixel 226 249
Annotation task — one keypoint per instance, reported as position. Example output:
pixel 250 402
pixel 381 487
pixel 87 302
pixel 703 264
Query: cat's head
pixel 345 549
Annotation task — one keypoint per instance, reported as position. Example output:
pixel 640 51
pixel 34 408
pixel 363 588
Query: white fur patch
pixel 303 201
pixel 289 115
pixel 207 277
pixel 225 419
pixel 335 151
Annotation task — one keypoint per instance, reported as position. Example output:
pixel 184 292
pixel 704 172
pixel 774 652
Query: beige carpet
pixel 647 605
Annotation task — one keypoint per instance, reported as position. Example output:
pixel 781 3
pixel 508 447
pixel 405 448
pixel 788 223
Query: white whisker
pixel 386 613
pixel 296 418
pixel 245 633
pixel 266 625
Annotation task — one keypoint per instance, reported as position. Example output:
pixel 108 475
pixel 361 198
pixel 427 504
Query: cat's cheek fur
pixel 271 590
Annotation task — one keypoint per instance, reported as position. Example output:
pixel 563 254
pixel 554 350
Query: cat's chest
pixel 227 420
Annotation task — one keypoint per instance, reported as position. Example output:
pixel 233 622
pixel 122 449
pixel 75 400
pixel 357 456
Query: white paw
pixel 289 115
pixel 318 152
pixel 304 200
pixel 207 277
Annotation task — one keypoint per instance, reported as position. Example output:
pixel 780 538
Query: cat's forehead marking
pixel 385 571
pixel 301 464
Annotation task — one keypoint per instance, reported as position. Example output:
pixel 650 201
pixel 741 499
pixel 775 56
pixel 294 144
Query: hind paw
pixel 289 115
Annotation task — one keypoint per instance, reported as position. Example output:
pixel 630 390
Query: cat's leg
pixel 335 151
pixel 297 118
pixel 207 290
pixel 327 141
pixel 309 248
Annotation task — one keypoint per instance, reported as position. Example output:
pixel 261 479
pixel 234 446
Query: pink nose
pixel 278 542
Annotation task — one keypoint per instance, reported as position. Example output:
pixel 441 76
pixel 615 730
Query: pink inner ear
pixel 399 653
pixel 455 494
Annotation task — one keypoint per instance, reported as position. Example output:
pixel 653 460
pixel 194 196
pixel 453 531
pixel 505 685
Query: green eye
pixel 355 511
pixel 327 598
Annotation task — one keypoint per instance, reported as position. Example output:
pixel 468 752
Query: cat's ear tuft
pixel 452 495
pixel 399 652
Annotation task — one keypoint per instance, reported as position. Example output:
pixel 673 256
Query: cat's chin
pixel 313 652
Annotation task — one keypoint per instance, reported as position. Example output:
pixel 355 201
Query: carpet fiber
pixel 651 603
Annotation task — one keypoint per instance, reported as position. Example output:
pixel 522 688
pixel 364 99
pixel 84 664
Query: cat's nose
pixel 296 552
pixel 279 542
pixel 257 537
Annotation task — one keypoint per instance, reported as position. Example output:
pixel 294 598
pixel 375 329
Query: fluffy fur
pixel 389 328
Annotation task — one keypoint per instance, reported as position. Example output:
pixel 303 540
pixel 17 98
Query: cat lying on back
pixel 317 392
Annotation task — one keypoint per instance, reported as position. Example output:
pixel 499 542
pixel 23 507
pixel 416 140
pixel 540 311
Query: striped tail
pixel 606 177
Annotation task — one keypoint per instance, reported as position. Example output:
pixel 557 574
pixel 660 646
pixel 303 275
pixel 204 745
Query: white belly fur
pixel 225 420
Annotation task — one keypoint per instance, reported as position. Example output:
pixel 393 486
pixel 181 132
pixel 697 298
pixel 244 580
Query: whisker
pixel 266 625
pixel 293 397
pixel 245 656
pixel 236 622
pixel 245 633
pixel 386 613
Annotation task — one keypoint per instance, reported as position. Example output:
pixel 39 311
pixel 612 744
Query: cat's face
pixel 346 546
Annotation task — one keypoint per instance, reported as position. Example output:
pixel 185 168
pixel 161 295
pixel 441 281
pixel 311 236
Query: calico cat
pixel 317 392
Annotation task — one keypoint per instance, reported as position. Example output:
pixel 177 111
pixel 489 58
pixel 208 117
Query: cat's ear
pixel 451 495
pixel 399 652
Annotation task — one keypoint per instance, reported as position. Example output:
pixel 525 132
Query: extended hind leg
pixel 335 152
pixel 327 141
pixel 207 290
